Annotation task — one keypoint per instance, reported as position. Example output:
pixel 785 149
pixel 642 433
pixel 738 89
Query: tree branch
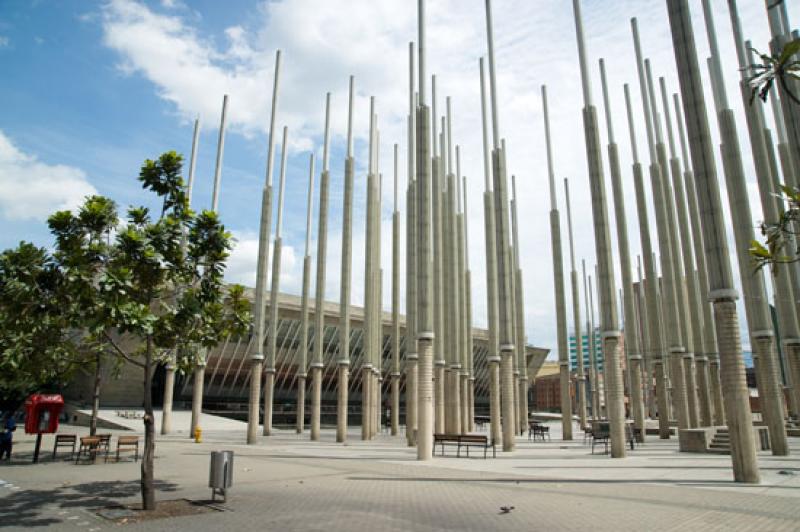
pixel 119 351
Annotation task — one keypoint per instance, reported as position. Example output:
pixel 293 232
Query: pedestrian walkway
pixel 287 482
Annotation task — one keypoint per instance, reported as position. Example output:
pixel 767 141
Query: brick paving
pixel 289 483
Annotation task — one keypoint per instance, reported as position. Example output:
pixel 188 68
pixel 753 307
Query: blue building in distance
pixel 573 357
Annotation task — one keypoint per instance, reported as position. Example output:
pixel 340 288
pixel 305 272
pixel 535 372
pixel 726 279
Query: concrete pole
pixel 519 324
pixel 377 279
pixel 723 294
pixel 454 292
pixel 275 290
pixel 766 171
pixel 319 298
pixel 688 292
pixel 200 367
pixel 558 281
pixel 411 264
pixel 169 381
pixel 755 297
pixel 595 389
pixel 301 370
pixel 709 348
pixel 492 358
pixel 256 356
pixel 779 28
pixel 425 334
pixel 668 294
pixel 220 154
pixel 601 374
pixel 376 316
pixel 580 392
pixel 504 293
pixel 437 177
pixel 462 301
pixel 671 265
pixel 608 317
pixel 786 170
pixel 787 167
pixel 395 375
pixel 470 384
pixel 703 339
pixel 684 385
pixel 632 341
pixel 641 323
pixel 368 365
pixel 343 364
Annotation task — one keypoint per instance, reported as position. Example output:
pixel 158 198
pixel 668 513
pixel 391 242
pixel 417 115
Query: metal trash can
pixel 220 476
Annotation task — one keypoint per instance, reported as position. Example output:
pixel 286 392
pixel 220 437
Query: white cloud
pixel 32 190
pixel 324 42
pixel 3 41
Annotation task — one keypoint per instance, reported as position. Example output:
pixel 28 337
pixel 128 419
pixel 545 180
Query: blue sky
pixel 91 89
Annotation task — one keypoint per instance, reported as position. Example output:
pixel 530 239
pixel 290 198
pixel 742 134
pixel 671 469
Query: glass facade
pixel 573 358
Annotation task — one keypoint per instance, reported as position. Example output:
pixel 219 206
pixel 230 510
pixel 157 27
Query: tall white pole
pixel 580 392
pixel 412 359
pixel 632 340
pixel 220 153
pixel 504 291
pixel 343 364
pixel 319 299
pixel 558 282
pixel 723 293
pixel 493 355
pixel 425 334
pixel 277 248
pixel 609 323
pixel 200 368
pixel 257 344
pixel 169 379
pixel 756 304
pixel 304 304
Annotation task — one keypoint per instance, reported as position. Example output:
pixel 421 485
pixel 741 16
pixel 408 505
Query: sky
pixel 92 89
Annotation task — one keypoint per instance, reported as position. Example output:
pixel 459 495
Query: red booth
pixel 41 413
pixel 41 416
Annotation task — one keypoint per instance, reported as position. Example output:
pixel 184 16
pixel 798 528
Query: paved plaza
pixel 287 482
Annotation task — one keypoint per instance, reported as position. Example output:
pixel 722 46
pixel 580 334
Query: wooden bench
pixel 476 440
pixel 65 440
pixel 128 444
pixel 445 439
pixel 105 443
pixel 90 446
pixel 466 441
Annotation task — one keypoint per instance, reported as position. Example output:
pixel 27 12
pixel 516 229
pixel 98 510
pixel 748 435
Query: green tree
pixel 83 249
pixel 151 285
pixel 776 248
pixel 38 348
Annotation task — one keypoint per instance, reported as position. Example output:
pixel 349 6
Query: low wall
pixel 696 440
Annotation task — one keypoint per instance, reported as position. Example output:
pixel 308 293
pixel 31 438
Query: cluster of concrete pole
pixel 682 346
pixel 680 330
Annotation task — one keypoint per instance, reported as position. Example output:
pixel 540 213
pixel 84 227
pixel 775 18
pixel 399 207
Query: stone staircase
pixel 792 427
pixel 721 442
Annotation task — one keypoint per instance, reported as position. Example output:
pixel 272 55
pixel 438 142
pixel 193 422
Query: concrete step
pixel 718 451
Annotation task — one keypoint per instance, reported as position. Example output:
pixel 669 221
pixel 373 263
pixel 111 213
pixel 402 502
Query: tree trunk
pixel 148 490
pixel 95 396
